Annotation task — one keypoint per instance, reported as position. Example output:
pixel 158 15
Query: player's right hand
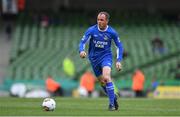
pixel 83 54
pixel 118 66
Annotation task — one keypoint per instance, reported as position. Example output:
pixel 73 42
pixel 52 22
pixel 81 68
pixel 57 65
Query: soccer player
pixel 100 37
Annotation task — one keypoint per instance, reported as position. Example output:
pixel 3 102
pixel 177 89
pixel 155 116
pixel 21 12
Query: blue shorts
pixel 97 68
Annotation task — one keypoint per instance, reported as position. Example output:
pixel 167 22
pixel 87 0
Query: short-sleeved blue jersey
pixel 100 43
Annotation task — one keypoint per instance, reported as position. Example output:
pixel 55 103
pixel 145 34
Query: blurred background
pixel 39 42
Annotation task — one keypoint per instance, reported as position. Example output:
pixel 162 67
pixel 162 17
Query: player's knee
pixel 106 78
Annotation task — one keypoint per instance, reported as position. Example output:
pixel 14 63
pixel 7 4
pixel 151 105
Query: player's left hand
pixel 118 66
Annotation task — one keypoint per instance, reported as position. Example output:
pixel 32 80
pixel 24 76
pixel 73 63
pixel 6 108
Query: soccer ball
pixel 49 104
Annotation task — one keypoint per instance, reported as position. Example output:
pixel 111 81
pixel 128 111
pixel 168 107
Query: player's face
pixel 102 21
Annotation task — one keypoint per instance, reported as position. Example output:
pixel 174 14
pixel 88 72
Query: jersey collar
pixel 102 30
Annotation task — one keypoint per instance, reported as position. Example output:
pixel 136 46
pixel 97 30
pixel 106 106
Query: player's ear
pixel 107 20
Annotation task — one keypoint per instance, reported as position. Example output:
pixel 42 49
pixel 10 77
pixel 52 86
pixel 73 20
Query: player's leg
pixel 106 74
pixel 106 62
pixel 98 70
pixel 116 102
pixel 103 85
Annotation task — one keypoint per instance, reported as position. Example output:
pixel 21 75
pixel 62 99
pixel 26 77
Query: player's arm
pixel 82 44
pixel 119 51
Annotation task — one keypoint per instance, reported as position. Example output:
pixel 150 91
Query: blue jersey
pixel 100 43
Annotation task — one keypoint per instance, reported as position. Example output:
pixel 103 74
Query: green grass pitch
pixel 90 107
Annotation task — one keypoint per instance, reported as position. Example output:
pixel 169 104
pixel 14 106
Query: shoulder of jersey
pixel 112 29
pixel 92 27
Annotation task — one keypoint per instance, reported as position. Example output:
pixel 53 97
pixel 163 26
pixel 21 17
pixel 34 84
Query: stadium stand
pixel 38 52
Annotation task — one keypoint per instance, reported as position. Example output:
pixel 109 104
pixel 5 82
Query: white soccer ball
pixel 49 104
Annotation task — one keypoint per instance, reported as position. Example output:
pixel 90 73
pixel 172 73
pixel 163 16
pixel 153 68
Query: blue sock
pixel 110 92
